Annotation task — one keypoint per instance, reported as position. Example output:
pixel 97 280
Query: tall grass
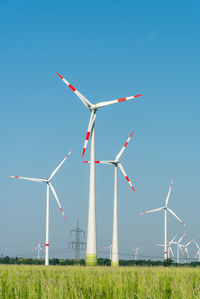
pixel 98 282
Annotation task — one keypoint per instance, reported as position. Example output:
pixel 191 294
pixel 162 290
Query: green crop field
pixel 98 282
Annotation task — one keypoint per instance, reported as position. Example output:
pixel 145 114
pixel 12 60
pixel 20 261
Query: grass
pixel 98 282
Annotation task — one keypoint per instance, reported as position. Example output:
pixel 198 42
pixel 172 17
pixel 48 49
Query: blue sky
pixel 107 50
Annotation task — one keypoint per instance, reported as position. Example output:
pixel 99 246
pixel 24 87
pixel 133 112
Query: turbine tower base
pixel 91 259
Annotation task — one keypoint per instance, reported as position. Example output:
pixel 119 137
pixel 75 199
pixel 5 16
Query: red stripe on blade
pixel 125 144
pixel 127 178
pixel 59 75
pixel 72 88
pixel 97 161
pixel 139 95
pixel 122 99
pixel 87 136
pixel 16 177
pixel 61 209
pixel 133 188
pixel 131 134
pixel 165 252
pixel 46 244
pixel 85 161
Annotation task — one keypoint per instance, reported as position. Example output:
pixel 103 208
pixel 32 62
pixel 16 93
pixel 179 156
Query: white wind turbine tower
pixel 169 243
pixel 198 252
pixel 39 248
pixel 178 244
pixel 91 250
pixel 49 185
pixel 116 163
pixel 165 208
pixel 110 250
pixel 136 252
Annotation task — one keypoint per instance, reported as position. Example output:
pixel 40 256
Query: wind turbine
pixel 91 250
pixel 169 246
pixel 198 252
pixel 165 208
pixel 178 244
pixel 186 253
pixel 49 185
pixel 110 250
pixel 116 163
pixel 136 252
pixel 38 248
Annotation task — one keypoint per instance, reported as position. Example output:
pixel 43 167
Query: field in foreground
pixel 99 282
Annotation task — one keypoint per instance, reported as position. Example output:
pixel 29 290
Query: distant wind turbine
pixel 136 252
pixel 198 252
pixel 49 185
pixel 178 244
pixel 38 248
pixel 165 208
pixel 110 250
pixel 186 253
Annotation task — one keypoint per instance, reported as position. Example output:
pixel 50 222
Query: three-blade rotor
pixel 165 207
pixel 117 163
pixel 93 107
pixel 48 181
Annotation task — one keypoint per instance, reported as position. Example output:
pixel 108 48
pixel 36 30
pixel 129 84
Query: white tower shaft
pixel 165 235
pixel 47 229
pixel 91 250
pixel 115 258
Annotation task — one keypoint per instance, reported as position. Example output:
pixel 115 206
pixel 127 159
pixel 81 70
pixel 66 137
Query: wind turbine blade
pixel 28 179
pixel 160 245
pixel 123 148
pixel 56 169
pixel 107 103
pixel 151 211
pixel 167 198
pixel 171 251
pixel 124 173
pixel 180 246
pixel 186 251
pixel 176 216
pixel 196 244
pixel 181 238
pixel 189 243
pixel 90 125
pixel 172 240
pixel 101 162
pixel 56 197
pixel 81 97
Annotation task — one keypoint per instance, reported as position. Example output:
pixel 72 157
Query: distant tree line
pixel 101 262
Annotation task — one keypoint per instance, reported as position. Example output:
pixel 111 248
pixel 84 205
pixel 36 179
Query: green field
pixel 98 282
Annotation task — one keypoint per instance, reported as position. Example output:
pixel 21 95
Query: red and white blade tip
pixel 83 152
pixel 59 75
pixel 139 95
pixel 13 176
pixel 69 153
pixel 62 213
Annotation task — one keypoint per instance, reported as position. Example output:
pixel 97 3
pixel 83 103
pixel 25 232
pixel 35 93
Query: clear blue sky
pixel 107 50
